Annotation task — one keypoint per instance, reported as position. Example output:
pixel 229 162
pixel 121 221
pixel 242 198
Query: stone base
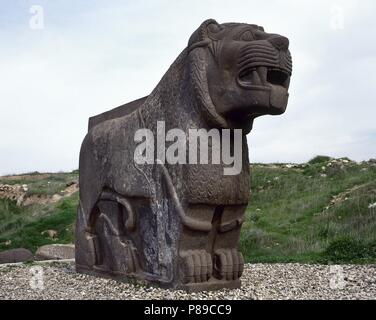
pixel 211 285
pixel 118 276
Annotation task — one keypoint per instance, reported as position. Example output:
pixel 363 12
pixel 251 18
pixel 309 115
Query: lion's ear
pixel 201 34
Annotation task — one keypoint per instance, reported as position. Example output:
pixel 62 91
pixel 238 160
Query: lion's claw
pixel 197 266
pixel 228 264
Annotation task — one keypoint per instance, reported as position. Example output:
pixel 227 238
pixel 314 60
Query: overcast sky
pixel 91 56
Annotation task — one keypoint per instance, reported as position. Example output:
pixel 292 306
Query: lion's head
pixel 239 71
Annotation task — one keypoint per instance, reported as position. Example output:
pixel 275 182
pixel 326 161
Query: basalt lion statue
pixel 178 225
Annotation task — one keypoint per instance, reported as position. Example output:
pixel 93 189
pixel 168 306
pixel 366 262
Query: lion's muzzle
pixel 265 66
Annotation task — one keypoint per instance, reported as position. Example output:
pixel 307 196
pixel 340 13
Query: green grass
pixel 315 212
pixel 26 233
pixel 24 225
pixel 41 184
pixel 290 219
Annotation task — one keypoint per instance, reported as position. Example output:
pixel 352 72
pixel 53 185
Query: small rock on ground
pixel 15 255
pixel 55 251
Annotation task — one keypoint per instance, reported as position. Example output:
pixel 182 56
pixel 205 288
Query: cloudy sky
pixel 91 56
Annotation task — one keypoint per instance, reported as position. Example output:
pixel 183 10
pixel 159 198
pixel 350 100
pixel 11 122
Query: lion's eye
pixel 247 36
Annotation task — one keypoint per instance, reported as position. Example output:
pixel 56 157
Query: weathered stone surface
pixel 15 255
pixel 55 252
pixel 178 225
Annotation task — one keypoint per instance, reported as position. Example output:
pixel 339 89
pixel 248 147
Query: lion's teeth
pixel 256 78
pixel 263 73
pixel 286 84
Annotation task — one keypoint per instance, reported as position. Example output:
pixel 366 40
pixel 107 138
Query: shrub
pixel 346 249
pixel 319 159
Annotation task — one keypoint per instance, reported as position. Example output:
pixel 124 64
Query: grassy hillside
pixel 315 212
pixel 320 211
pixel 22 226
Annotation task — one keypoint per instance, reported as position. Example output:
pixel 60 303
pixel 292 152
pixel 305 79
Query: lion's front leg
pixel 209 259
pixel 228 261
pixel 195 251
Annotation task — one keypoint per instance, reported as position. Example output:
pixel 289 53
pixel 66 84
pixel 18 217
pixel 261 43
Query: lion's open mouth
pixel 269 86
pixel 263 76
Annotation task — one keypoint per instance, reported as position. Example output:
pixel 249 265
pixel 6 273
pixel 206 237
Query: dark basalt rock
pixel 15 255
pixel 178 226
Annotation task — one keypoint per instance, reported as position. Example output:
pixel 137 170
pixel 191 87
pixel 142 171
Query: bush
pixel 319 159
pixel 348 250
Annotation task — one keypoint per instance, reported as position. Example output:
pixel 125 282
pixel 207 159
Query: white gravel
pixel 259 281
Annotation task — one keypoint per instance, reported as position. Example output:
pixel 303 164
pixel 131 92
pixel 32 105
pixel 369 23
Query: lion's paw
pixel 228 264
pixel 197 266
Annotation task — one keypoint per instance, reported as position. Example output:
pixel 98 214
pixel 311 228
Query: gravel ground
pixel 259 281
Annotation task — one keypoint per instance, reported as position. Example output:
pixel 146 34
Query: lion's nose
pixel 279 42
